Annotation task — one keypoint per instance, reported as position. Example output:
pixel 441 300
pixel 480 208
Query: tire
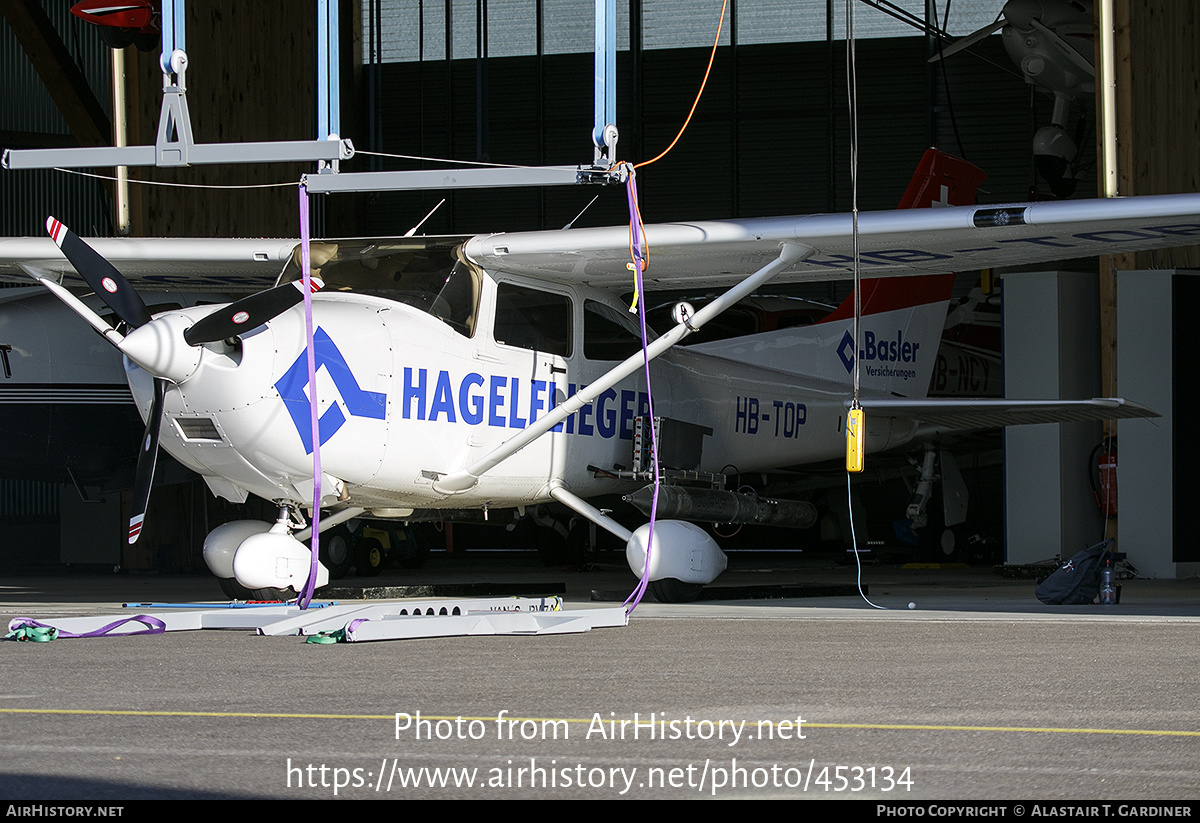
pixel 579 547
pixel 147 41
pixel 115 37
pixel 413 552
pixel 672 590
pixel 234 590
pixel 274 594
pixel 369 557
pixel 937 542
pixel 950 545
pixel 337 552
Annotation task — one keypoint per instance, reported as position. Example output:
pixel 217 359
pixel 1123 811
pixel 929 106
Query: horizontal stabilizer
pixel 984 413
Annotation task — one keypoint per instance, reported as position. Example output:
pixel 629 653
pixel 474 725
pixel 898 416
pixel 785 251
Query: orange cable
pixel 711 57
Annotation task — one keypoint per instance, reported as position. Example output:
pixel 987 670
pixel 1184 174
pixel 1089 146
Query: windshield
pixel 423 272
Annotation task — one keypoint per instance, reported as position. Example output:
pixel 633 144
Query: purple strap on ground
pixel 306 267
pixel 635 226
pixel 153 626
pixel 352 625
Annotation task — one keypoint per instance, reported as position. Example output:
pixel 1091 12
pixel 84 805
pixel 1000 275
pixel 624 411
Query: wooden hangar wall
pixel 1158 109
pixel 250 78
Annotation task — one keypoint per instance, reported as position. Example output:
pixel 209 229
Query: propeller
pixel 112 287
pixel 144 347
pixel 248 313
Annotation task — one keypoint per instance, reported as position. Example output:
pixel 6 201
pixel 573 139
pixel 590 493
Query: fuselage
pixel 411 389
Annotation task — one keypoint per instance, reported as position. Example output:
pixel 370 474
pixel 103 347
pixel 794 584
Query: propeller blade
pixel 248 313
pixel 147 460
pixel 968 41
pixel 108 283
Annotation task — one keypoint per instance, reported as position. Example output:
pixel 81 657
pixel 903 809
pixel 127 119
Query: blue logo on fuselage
pixel 293 390
pixel 877 349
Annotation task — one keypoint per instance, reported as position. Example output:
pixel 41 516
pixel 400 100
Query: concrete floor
pixel 980 693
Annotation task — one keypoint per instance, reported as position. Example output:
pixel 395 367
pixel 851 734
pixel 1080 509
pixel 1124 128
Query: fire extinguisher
pixel 1102 474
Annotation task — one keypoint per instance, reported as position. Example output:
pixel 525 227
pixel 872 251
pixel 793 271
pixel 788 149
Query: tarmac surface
pixel 979 693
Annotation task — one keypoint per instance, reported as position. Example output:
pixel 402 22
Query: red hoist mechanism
pixel 121 24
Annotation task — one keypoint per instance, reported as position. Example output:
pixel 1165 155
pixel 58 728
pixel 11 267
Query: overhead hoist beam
pixel 174 146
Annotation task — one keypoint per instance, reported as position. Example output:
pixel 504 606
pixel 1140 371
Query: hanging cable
pixel 856 422
pixel 855 425
pixel 179 185
pixel 711 57
pixel 852 96
pixel 638 264
pixel 639 250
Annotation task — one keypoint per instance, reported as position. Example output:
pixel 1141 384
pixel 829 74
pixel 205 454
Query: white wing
pixel 195 263
pixel 918 241
pixel 715 253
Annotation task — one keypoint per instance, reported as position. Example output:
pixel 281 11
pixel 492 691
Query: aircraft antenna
pixel 581 211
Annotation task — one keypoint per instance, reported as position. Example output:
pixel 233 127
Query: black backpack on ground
pixel 1078 580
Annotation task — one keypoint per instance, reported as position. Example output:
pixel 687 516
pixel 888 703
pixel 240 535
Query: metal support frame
pixel 174 146
pixel 604 133
pixel 604 137
pixel 479 178
pixel 329 102
pixel 392 620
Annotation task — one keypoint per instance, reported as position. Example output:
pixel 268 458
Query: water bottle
pixel 1108 586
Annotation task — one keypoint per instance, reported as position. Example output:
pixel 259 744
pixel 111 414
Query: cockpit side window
pixel 531 319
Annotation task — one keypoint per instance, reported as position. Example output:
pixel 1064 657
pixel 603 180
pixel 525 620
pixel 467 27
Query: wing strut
pixel 580 506
pixel 464 479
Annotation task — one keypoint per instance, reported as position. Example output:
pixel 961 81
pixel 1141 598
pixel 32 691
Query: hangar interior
pixel 510 81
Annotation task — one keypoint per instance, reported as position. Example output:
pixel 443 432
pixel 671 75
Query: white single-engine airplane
pixel 503 370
